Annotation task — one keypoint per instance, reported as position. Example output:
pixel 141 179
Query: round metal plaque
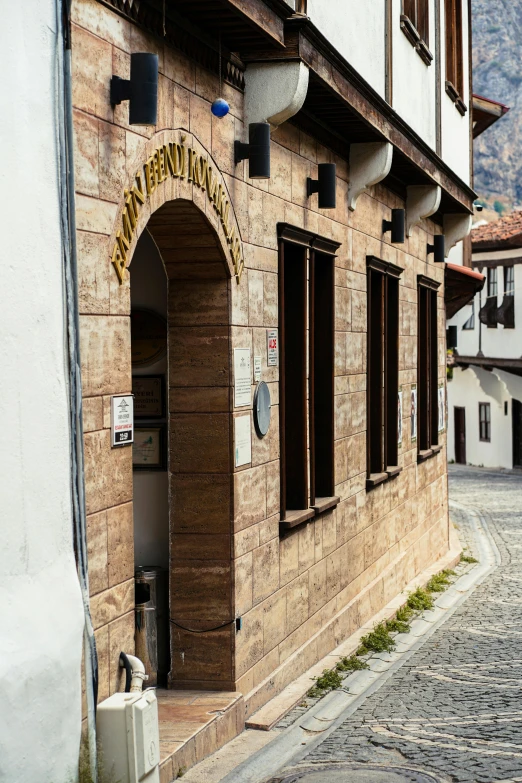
pixel 262 405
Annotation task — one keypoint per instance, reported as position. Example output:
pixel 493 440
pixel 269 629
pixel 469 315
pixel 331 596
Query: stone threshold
pixel 275 710
pixel 194 724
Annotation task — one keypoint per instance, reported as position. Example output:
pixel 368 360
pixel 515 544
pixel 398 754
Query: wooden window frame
pixel 309 452
pixel 382 455
pixel 486 421
pixel 454 43
pixel 415 24
pixel 427 368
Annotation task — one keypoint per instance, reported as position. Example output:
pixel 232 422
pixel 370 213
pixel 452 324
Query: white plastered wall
pixel 414 82
pixel 42 617
pixel 357 30
pixel 467 389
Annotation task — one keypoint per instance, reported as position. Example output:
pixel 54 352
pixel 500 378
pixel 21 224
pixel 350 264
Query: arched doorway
pixel 198 415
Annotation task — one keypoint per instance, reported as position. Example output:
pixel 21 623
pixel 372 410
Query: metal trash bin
pixel 150 586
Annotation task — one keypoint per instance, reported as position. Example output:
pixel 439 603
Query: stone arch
pixel 152 184
pixel 195 247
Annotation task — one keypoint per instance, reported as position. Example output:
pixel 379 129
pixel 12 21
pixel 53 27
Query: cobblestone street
pixel 455 708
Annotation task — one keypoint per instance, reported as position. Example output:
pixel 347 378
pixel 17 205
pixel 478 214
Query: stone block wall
pixel 301 593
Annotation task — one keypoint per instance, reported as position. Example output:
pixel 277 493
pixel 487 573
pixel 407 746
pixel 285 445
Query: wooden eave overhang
pixel 486 112
pixel 460 286
pixel 513 366
pixel 342 108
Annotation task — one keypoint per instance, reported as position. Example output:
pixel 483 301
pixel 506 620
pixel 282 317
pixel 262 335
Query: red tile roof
pixel 505 232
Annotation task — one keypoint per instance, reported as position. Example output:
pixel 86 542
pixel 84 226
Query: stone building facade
pixel 300 589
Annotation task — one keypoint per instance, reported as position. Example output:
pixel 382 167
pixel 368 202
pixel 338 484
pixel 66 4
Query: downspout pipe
pixel 134 673
pixel 68 220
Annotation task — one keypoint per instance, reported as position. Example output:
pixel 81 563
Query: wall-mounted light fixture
pixel 257 151
pixel 324 185
pixel 141 90
pixel 451 337
pixel 438 248
pixel 395 225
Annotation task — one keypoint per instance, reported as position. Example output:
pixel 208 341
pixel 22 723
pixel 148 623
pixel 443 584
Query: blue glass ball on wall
pixel 220 107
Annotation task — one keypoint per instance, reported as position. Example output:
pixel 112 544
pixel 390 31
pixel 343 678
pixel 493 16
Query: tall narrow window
pixel 505 314
pixel 454 53
pixel 306 405
pixel 485 421
pixel 488 313
pixel 415 25
pixel 427 368
pixel 383 370
pixel 470 323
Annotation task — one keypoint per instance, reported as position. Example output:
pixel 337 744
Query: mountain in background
pixel 497 74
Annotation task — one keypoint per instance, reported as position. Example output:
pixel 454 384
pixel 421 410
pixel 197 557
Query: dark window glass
pixel 454 58
pixel 485 420
pixel 417 12
pixel 383 367
pixel 427 366
pixel 509 280
pixel 492 281
pixel 306 336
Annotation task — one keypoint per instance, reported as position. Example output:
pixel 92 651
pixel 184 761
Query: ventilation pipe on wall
pixel 134 673
pixel 68 221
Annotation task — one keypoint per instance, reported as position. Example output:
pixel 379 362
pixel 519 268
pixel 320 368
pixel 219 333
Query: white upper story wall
pixel 42 615
pixel 497 342
pixel 358 31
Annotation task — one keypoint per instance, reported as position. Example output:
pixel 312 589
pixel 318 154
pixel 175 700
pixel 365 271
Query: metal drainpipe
pixel 68 218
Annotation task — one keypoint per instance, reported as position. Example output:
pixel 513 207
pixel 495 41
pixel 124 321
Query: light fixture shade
pixel 259 150
pixel 438 249
pixel 327 181
pixel 396 225
pixel 143 103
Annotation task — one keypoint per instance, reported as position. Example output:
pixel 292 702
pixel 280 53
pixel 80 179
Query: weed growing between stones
pixel 329 680
pixel 465 558
pixel 419 600
pixel 351 664
pixel 380 639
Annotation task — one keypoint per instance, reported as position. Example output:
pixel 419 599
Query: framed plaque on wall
pixel 149 450
pixel 149 396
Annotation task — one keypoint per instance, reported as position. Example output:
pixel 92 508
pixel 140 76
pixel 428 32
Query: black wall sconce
pixel 141 90
pixel 395 225
pixel 438 248
pixel 324 185
pixel 451 337
pixel 257 151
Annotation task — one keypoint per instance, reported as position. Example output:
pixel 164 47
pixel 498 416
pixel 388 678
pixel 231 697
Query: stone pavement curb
pixel 309 730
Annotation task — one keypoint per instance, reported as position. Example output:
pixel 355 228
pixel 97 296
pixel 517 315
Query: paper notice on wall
pixel 243 441
pixel 399 419
pixel 257 369
pixel 442 416
pixel 414 412
pixel 272 340
pixel 242 377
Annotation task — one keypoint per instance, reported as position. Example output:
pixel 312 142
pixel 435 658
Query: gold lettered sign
pixel 179 161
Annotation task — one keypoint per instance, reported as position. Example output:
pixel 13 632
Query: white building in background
pixel 485 394
pixel 41 616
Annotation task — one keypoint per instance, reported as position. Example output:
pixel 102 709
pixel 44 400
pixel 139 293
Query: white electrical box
pixel 127 729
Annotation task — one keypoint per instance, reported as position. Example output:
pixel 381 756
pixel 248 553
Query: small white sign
pixel 442 408
pixel 257 369
pixel 243 441
pixel 242 377
pixel 414 412
pixel 272 347
pixel 399 419
pixel 122 420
